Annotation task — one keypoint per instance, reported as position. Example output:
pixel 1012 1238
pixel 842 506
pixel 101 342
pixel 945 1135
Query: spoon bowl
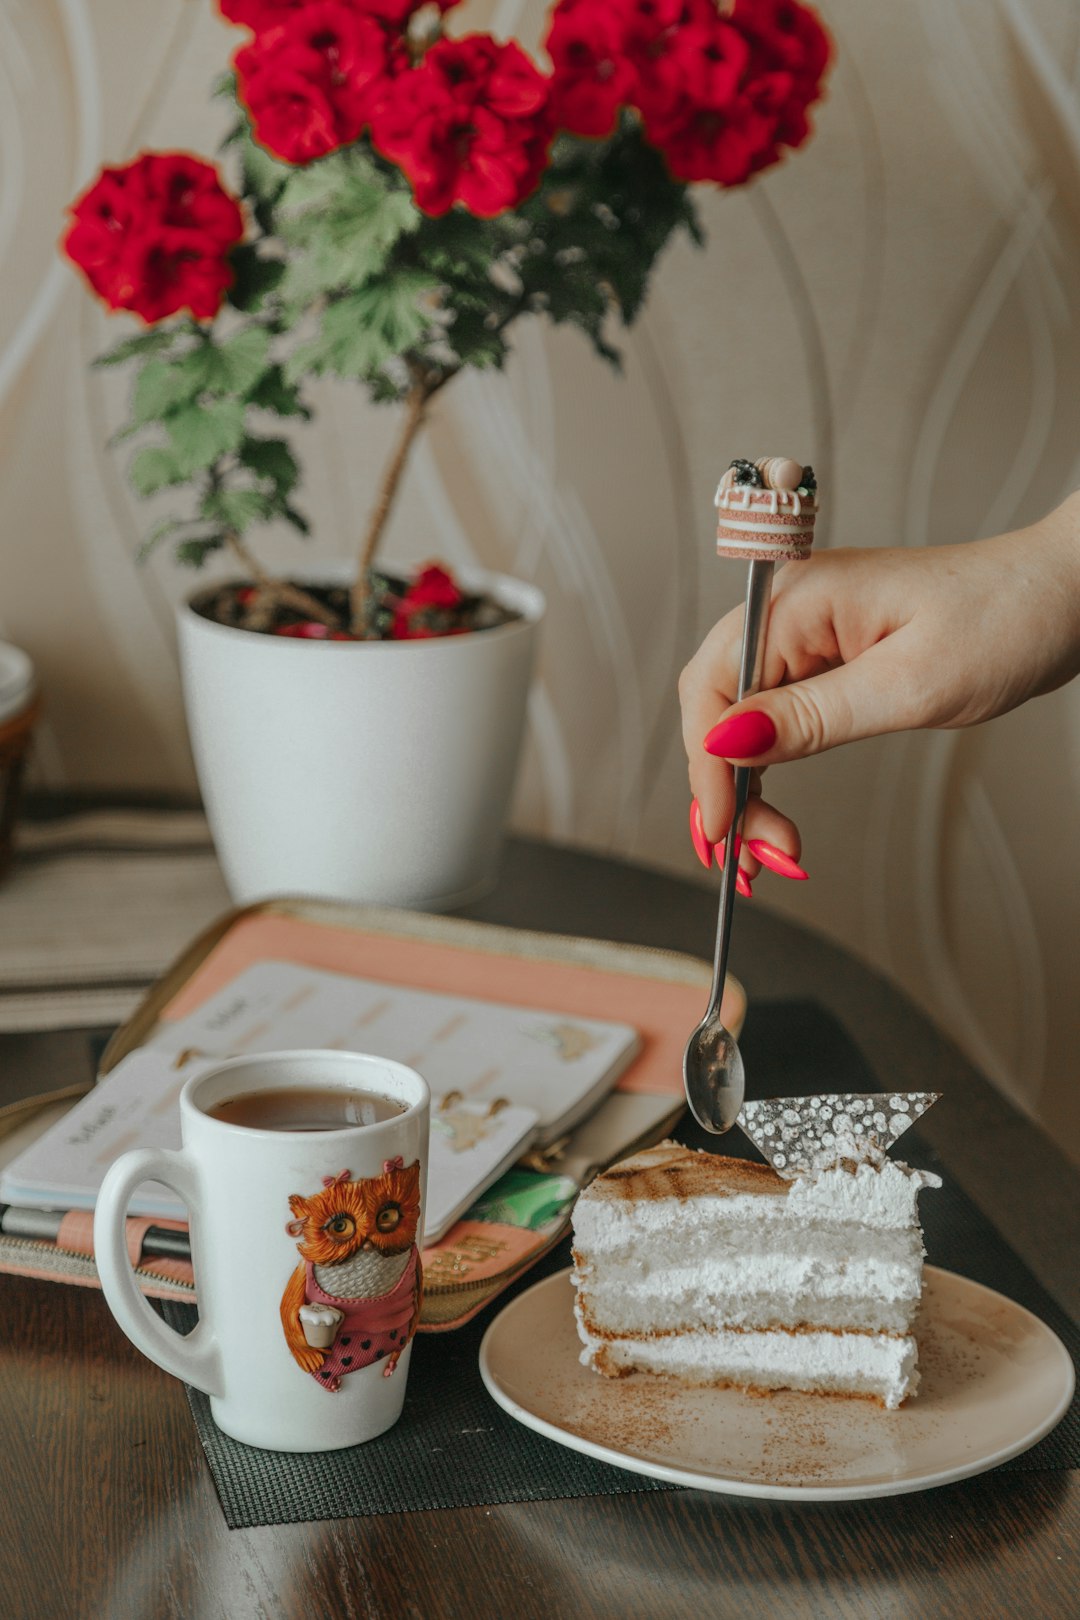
pixel 713 1076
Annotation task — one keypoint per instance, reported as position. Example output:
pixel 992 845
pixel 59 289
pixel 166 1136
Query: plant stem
pixel 278 592
pixel 418 398
pixel 425 385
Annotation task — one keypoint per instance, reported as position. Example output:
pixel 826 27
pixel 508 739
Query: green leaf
pixel 254 277
pixel 164 385
pixel 341 217
pixel 167 526
pixel 200 433
pixel 599 221
pixel 273 460
pixel 474 341
pixel 128 431
pixel 362 331
pixel 297 519
pixel 154 469
pixel 143 343
pixel 320 185
pixel 194 551
pixel 263 174
pixel 273 393
pixel 385 390
pixel 236 508
pixel 235 366
pixel 457 246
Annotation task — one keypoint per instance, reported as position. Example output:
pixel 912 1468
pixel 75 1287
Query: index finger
pixel 708 686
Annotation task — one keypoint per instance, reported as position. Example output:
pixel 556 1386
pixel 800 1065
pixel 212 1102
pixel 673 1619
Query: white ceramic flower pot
pixel 371 771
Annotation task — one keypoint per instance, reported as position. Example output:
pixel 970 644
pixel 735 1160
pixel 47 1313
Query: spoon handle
pixel 755 624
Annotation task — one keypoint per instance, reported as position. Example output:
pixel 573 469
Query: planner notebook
pixel 558 1065
pixel 503 1079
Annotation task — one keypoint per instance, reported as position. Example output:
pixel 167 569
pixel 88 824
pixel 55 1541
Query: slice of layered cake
pixel 722 1271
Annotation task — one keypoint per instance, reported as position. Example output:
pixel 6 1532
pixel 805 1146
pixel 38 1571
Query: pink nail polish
pixel 743 736
pixel 722 845
pixel 702 847
pixel 742 885
pixel 776 860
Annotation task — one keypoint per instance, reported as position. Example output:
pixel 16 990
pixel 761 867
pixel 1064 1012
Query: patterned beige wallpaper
pixel 898 304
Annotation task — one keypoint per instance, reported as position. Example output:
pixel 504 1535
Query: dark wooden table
pixel 111 1513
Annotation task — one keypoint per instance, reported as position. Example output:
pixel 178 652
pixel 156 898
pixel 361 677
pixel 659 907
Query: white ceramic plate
pixel 995 1379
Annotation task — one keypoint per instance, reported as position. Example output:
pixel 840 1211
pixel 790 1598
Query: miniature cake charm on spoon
pixel 766 510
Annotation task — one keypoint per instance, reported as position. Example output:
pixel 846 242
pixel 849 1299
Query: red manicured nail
pixel 743 736
pixel 742 885
pixel 722 845
pixel 702 847
pixel 776 860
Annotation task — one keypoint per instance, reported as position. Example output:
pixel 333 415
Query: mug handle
pixel 195 1357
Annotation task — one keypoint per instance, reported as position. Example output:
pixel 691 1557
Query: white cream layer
pixel 883 1196
pixel 770 1237
pixel 879 1198
pixel 631 1295
pixel 829 1363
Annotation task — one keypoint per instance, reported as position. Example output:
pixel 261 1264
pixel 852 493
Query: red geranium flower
pixel 311 79
pixel 725 144
pixel 790 53
pixel 471 124
pixel 433 586
pixel 260 14
pixel 719 93
pixel 594 75
pixel 424 610
pixel 396 13
pixel 154 236
pixel 788 36
pixel 254 14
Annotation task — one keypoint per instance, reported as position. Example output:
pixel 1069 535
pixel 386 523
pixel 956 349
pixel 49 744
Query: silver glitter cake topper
pixel 802 1135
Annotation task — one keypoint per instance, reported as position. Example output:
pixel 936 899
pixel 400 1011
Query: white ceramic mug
pixel 306 1249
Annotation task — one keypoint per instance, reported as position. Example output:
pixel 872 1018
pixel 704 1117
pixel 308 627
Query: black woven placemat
pixel 453 1447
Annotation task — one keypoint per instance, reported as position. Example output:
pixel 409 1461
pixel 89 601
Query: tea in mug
pixel 306 1108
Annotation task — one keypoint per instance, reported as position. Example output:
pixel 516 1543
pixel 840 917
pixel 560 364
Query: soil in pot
pixel 431 603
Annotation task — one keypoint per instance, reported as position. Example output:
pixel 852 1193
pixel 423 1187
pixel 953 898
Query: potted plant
pixel 398 199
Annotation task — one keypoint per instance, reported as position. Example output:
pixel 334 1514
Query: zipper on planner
pixel 85 1262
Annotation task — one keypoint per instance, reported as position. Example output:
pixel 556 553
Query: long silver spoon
pixel 713 1074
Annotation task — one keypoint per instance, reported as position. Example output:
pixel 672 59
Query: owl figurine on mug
pixel 354 1299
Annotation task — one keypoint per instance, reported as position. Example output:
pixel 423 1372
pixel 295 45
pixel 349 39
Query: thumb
pixel 865 698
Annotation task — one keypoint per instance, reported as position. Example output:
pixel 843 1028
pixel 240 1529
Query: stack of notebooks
pixel 524 1106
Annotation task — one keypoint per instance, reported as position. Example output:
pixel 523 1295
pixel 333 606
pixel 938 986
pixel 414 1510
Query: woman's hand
pixel 865 642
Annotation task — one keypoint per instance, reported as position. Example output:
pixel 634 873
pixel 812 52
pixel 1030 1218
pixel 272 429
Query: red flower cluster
pixel 154 236
pixel 471 124
pixel 259 14
pixel 718 92
pixel 316 69
pixel 313 75
pixel 254 13
pixel 422 612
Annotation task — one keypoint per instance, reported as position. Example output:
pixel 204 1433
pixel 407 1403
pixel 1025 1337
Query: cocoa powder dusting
pixel 671 1171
